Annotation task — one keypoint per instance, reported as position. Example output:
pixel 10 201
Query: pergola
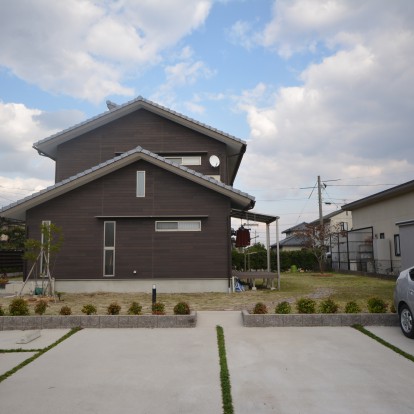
pixel 261 218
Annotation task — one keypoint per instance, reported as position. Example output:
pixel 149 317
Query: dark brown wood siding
pixel 141 128
pixel 139 247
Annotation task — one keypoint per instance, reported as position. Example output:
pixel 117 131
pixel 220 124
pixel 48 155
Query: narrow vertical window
pixel 109 248
pixel 397 248
pixel 140 183
pixel 45 247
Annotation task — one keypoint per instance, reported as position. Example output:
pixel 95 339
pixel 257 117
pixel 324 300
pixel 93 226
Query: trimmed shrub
pixel 158 308
pixel 376 305
pixel 352 307
pixel 283 308
pixel 40 307
pixel 135 309
pixel 18 307
pixel 392 308
pixel 328 306
pixel 182 308
pixel 305 305
pixel 1 311
pixel 89 309
pixel 65 310
pixel 113 309
pixel 260 309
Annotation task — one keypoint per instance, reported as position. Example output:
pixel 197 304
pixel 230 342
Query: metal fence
pixel 354 250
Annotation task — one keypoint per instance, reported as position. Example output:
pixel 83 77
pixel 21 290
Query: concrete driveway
pixel 273 370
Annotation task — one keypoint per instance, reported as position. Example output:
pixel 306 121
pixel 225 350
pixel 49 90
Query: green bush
pixel 283 308
pixel 352 307
pixel 158 308
pixel 305 305
pixel 182 308
pixel 376 305
pixel 113 309
pixel 40 307
pixel 392 308
pixel 89 309
pixel 328 306
pixel 260 309
pixel 135 309
pixel 65 310
pixel 18 307
pixel 1 311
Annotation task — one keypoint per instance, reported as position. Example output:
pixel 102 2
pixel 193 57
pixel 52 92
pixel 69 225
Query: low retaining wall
pixel 97 321
pixel 318 319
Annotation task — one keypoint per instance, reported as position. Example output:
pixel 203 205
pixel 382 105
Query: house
pixel 293 241
pixel 143 196
pixel 382 236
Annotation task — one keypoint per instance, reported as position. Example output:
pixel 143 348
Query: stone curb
pixel 8 323
pixel 337 319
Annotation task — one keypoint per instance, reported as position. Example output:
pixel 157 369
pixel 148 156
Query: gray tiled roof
pixel 118 159
pixel 134 102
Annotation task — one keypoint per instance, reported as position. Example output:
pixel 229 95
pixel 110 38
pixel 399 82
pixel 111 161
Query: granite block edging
pixel 8 323
pixel 318 319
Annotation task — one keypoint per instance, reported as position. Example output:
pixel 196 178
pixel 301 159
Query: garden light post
pixel 154 294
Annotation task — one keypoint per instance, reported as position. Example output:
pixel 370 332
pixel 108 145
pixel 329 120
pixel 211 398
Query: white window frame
pixel 397 245
pixel 140 184
pixel 186 159
pixel 109 248
pixel 179 228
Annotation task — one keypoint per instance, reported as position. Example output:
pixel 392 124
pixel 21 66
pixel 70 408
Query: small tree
pixel 316 239
pixel 42 252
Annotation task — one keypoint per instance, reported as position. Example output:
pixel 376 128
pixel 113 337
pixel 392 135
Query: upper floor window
pixel 140 183
pixel 186 160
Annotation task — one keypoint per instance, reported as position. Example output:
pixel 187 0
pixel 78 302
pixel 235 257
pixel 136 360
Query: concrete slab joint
pixel 8 323
pixel 336 319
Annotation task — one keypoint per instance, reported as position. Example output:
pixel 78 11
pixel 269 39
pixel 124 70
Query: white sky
pixel 320 87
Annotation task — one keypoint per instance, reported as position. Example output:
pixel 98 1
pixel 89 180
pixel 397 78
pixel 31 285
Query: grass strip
pixel 224 373
pixel 360 328
pixel 40 353
pixel 9 351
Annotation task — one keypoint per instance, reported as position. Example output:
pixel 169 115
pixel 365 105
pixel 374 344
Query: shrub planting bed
pixel 97 321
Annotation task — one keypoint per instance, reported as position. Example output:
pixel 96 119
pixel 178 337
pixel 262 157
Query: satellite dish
pixel 214 161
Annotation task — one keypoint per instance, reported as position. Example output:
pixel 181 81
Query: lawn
pixel 339 287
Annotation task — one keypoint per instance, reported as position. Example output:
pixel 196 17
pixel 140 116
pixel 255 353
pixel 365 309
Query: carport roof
pixel 253 216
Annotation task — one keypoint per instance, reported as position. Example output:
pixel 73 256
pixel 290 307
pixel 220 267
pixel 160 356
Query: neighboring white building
pixel 387 218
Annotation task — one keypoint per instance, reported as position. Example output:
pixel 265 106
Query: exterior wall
pixel 153 255
pixel 343 217
pixel 289 248
pixel 141 128
pixel 127 286
pixel 383 215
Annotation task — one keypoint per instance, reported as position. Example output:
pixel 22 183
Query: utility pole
pixel 320 201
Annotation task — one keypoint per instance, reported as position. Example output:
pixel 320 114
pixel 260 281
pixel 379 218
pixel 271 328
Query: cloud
pixel 350 114
pixel 85 49
pixel 20 126
pixel 179 75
